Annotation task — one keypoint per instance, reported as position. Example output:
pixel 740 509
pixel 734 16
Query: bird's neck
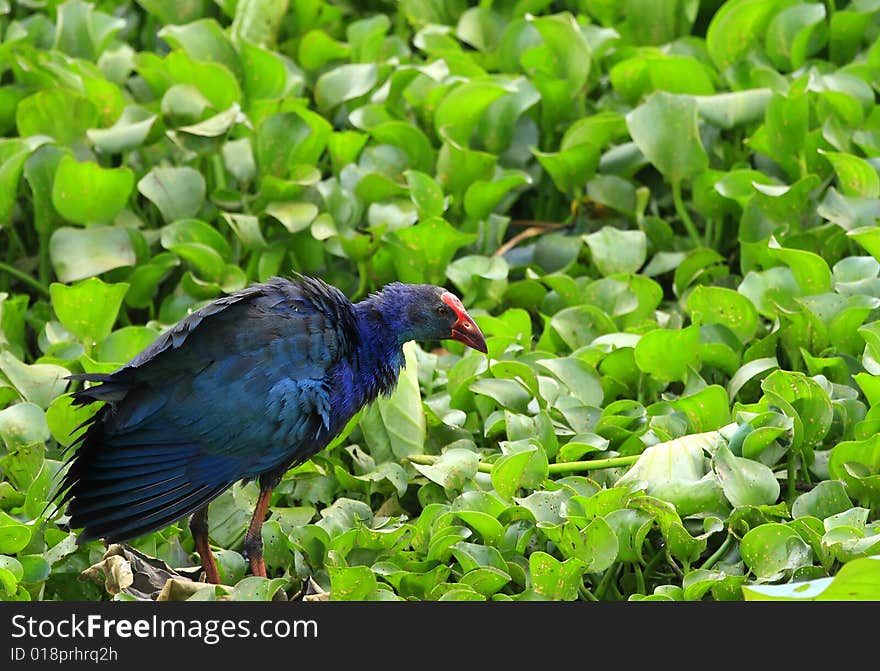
pixel 379 351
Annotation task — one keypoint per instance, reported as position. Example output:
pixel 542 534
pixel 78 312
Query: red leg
pixel 253 539
pixel 198 525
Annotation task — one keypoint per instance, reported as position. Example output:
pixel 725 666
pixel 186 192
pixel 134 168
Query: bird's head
pixel 428 312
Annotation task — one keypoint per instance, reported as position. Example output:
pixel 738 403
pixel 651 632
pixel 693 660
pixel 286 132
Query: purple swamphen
pixel 243 388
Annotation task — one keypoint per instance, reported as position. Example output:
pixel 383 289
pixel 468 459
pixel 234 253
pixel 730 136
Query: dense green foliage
pixel 662 213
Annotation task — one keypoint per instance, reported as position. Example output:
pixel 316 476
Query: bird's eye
pixel 442 310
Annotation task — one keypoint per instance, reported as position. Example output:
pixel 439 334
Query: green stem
pixel 791 474
pixel 682 212
pixel 44 272
pixel 563 467
pixel 718 554
pixel 23 277
pixel 586 593
pixel 640 580
pixel 610 574
pixel 362 280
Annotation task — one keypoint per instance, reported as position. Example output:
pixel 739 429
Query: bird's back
pixel 239 388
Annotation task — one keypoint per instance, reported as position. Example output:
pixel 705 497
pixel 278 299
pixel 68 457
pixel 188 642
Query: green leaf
pixel 525 468
pixel 255 588
pixel 855 176
pixel 665 129
pixel 735 27
pixel 129 131
pixel 83 32
pixel 89 308
pixel 578 376
pixel 345 83
pixel 677 471
pixel 666 354
pixel 22 424
pixel 178 192
pixel 37 383
pixel 453 469
pixel 80 253
pixel 57 112
pixel 63 418
pixel 615 251
pixel 204 40
pixel 555 580
pixel 825 499
pixel 796 33
pixel 572 167
pixel 718 305
pixel 745 482
pixel 14 537
pixel 396 424
pixel 772 550
pixel 86 193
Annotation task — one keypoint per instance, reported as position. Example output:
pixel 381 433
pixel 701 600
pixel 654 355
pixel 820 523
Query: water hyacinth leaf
pixel 291 139
pixel 482 197
pixel 80 253
pixel 247 229
pixel 295 217
pixel 666 354
pixel 14 536
pixel 728 110
pixel 63 418
pixel 857 463
pixel 414 143
pixel 401 414
pixel 129 131
pixel 345 83
pixel 571 53
pixel 453 469
pixel 745 482
pixel 509 394
pixel 616 251
pixel 719 305
pixel 85 193
pixel 426 194
pixel 424 251
pixel 796 33
pixel 773 550
pixel 82 31
pixel 204 40
pixel 178 192
pixel 525 469
pixel 855 175
pixel 123 344
pixel 572 167
pixel 706 410
pixel 37 383
pixel 580 378
pixel 678 471
pixel 856 580
pixel 256 22
pixel 666 131
pixel 255 588
pixel 735 27
pixel 59 113
pixel 555 580
pixel 89 308
pixel 22 424
pixel 546 507
pixel 808 399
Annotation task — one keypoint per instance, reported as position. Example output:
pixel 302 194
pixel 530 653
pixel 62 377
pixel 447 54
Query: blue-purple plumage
pixel 243 388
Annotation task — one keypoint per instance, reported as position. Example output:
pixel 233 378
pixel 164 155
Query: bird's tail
pixel 122 486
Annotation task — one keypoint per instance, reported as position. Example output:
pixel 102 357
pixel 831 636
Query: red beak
pixel 464 329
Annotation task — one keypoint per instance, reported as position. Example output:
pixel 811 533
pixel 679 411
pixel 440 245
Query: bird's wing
pixel 242 389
